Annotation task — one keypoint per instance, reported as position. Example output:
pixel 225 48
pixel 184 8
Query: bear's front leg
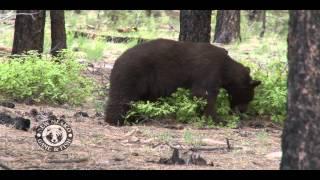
pixel 210 109
pixel 211 97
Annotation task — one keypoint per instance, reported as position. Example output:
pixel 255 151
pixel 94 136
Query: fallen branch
pixel 5 49
pixel 214 149
pixel 228 144
pixel 187 158
pixel 4 167
pixel 68 160
pixel 17 122
pixel 114 39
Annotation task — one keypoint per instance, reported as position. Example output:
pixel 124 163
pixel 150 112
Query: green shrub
pixel 267 59
pixel 182 107
pixel 44 78
pixel 179 105
pixel 271 96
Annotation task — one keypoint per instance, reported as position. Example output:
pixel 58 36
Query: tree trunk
pixel 301 134
pixel 29 31
pixel 264 20
pixel 255 15
pixel 195 25
pixel 148 13
pixel 98 14
pixel 58 31
pixel 227 26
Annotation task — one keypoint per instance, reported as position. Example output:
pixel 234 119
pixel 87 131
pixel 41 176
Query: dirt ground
pixel 96 145
pixel 99 146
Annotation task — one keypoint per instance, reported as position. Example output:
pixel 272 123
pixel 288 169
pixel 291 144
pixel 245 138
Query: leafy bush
pixel 267 59
pixel 44 78
pixel 181 106
pixel 271 96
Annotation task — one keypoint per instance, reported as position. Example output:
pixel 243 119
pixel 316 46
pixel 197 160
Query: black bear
pixel 157 68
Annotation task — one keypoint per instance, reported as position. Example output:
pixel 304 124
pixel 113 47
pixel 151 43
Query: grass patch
pixel 192 138
pixel 93 49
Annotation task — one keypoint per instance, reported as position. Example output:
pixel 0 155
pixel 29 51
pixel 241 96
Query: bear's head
pixel 242 92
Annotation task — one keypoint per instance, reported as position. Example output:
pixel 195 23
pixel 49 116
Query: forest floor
pixel 96 145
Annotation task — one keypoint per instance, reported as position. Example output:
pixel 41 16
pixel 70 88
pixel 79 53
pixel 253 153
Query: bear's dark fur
pixel 158 67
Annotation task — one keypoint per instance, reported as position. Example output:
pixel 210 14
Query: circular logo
pixel 54 135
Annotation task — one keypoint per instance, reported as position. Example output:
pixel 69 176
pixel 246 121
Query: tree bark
pixel 264 21
pixel 148 13
pixel 29 31
pixel 301 134
pixel 255 15
pixel 195 25
pixel 58 31
pixel 227 26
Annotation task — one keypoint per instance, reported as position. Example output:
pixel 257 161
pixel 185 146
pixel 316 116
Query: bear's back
pixel 161 51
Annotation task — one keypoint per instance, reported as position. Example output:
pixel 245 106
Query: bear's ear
pixel 255 83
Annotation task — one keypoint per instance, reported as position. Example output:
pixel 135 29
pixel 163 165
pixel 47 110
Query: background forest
pixel 59 62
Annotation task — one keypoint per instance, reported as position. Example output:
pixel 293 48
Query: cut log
pixel 114 39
